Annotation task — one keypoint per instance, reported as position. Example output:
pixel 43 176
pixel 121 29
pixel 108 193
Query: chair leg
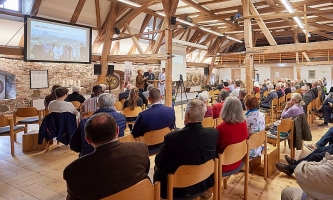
pixel 225 183
pixel 25 128
pixel 285 143
pixel 12 151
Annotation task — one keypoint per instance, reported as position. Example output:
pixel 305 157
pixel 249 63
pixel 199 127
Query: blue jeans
pixel 327 138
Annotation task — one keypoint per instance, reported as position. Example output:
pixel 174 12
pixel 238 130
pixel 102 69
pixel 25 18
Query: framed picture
pixel 39 79
pixel 312 74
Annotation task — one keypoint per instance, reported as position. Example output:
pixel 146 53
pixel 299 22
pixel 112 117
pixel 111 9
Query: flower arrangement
pixel 173 96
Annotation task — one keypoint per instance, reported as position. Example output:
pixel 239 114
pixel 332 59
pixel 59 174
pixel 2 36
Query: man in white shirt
pixel 235 92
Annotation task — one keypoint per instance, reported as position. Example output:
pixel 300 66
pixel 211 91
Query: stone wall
pixel 57 72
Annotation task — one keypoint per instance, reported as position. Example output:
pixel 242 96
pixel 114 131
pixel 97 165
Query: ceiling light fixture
pixel 130 3
pixel 210 31
pixel 234 39
pixel 185 22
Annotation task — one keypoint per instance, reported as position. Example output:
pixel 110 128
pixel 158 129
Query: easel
pixel 181 85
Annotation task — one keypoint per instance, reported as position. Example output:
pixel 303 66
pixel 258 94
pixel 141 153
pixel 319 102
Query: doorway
pixel 282 72
pixel 235 74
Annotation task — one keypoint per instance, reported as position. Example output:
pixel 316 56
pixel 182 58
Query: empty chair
pixel 144 190
pixel 31 116
pixel 257 140
pixel 7 128
pixel 131 115
pixel 208 122
pixel 153 138
pixel 232 154
pixel 188 175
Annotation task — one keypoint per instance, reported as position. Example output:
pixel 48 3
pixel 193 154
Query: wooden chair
pixel 232 154
pixel 299 91
pixel 208 122
pixel 286 125
pixel 31 116
pixel 7 128
pixel 288 97
pixel 256 140
pixel 122 101
pixel 88 114
pixel 218 121
pixel 273 108
pixel 258 97
pixel 309 113
pixel 46 112
pixel 132 113
pixel 76 104
pixel 118 106
pixel 265 93
pixel 280 105
pixel 153 138
pixel 127 138
pixel 188 175
pixel 144 190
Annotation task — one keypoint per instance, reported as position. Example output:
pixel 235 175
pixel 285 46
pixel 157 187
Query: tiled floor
pixel 38 175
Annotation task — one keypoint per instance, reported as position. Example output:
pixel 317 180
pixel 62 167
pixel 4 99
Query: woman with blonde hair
pixel 293 107
pixel 232 130
pixel 140 81
pixel 133 99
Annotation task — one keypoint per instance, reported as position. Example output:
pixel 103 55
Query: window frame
pixel 16 11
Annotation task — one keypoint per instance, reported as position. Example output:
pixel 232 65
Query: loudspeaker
pixel 110 69
pixel 206 70
pixel 173 21
pixel 116 30
pixel 97 69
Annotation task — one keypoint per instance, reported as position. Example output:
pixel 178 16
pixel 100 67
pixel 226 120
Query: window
pixel 10 4
pixel 312 74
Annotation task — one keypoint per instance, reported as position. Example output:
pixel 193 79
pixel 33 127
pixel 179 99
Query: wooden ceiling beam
pixel 35 7
pixel 134 39
pixel 98 16
pixel 77 11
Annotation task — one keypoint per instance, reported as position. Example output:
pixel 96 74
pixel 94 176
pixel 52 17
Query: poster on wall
pixel 39 79
pixel 2 86
pixel 128 73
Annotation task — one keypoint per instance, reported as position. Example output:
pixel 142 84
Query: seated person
pixel 232 130
pixel 327 138
pixel 204 97
pixel 51 96
pixel 106 105
pixel 267 102
pixel 263 89
pixel 242 94
pixel 256 88
pixel 226 86
pixel 60 105
pixel 308 96
pixel 75 96
pixel 217 107
pixel 327 110
pixel 314 88
pixel 111 168
pixel 255 121
pixel 146 93
pixel 315 180
pixel 293 107
pixel 133 99
pixel 177 149
pixel 125 94
pixel 278 90
pixel 90 104
pixel 287 90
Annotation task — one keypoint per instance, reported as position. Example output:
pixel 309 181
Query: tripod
pixel 181 85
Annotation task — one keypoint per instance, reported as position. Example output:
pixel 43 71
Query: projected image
pixel 49 41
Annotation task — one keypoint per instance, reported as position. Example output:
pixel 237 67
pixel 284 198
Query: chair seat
pixel 29 120
pixel 229 173
pixel 272 136
pixel 6 129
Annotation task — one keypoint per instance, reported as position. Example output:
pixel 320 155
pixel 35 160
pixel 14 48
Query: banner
pixel 128 69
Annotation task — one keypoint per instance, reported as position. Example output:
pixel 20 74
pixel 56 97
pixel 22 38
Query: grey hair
pixel 270 86
pixel 224 94
pixel 150 87
pixel 315 82
pixel 106 101
pixel 305 87
pixel 279 85
pixel 103 86
pixel 196 110
pixel 297 98
pixel 203 96
pixel 232 111
pixel 76 89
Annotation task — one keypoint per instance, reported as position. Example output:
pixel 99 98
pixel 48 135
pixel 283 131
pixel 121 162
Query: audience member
pixel 51 96
pixel 263 89
pixel 133 99
pixel 146 93
pixel 90 105
pixel 256 88
pixel 314 88
pixel 293 107
pixel 192 145
pixel 235 92
pixel 293 86
pixel 308 96
pixel 226 86
pixel 154 118
pixel 217 107
pixel 287 90
pixel 125 94
pixel 60 105
pixel 105 103
pixel 75 96
pixel 315 179
pixel 161 83
pixel 242 94
pixel 267 102
pixel 231 86
pixel 204 97
pixel 111 168
pixel 103 86
pixel 232 130
pixel 327 138
pixel 278 90
pixel 140 83
pixel 149 78
pixel 255 121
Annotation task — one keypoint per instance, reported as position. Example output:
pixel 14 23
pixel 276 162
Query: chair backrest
pixel 216 92
pixel 265 93
pixel 257 95
pixel 118 105
pixel 274 102
pixel 76 104
pixel 211 92
pixel 285 125
pixel 127 138
pixel 26 112
pixel 257 139
pixel 218 121
pixel 144 190
pixel 208 122
pixel 187 175
pixel 155 137
pixel 88 114
pixel 288 96
pixel 4 121
pixel 132 113
pixel 233 153
pixel 309 108
pixel 281 102
pixel 122 101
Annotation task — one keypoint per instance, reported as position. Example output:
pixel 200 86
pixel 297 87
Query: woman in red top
pixel 233 129
pixel 217 107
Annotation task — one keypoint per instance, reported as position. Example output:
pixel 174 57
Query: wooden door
pixel 282 72
pixel 235 74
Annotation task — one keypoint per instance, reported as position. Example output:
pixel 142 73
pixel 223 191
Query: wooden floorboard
pixel 38 175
